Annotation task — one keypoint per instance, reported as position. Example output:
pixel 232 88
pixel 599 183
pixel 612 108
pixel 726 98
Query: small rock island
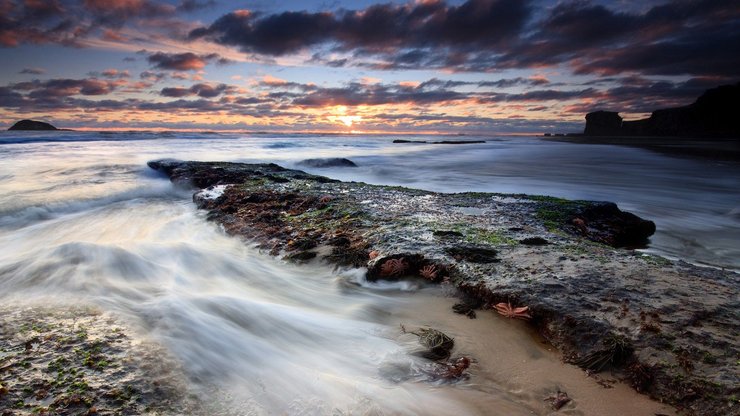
pixel 32 125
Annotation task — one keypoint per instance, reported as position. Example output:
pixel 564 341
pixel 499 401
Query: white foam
pixel 212 192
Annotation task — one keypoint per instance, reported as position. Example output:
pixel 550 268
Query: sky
pixel 419 66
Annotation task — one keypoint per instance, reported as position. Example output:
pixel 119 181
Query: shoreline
pixel 639 316
pixel 721 149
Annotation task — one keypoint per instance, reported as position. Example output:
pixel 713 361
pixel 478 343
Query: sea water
pixel 83 220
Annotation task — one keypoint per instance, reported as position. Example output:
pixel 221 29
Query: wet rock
pixel 405 265
pixel 534 241
pixel 438 344
pixel 301 256
pixel 447 234
pixel 464 309
pixel 608 294
pixel 449 371
pixel 606 223
pixel 32 125
pixel 333 162
pixel 558 399
pixel 80 353
pixel 339 241
pixel 473 254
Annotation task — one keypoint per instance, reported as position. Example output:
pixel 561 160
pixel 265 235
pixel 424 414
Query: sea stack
pixel 603 123
pixel 32 125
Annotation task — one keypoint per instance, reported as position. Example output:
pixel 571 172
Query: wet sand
pixel 515 370
pixel 708 148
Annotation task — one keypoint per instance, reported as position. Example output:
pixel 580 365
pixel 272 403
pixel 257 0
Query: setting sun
pixel 342 117
pixel 349 120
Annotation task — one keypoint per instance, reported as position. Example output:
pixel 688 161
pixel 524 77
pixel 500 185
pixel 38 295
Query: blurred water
pixel 84 220
pixel 694 202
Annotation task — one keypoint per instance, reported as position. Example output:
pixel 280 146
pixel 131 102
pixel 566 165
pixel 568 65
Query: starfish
pixel 429 272
pixel 508 311
pixel 394 267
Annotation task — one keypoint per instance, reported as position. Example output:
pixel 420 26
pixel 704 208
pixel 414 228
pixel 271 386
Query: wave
pixel 25 216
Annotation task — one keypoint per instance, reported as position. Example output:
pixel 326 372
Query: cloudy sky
pixel 476 66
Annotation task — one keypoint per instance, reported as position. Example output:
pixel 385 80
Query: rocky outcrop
pixel 32 125
pixel 668 328
pixel 603 123
pixel 714 114
pixel 332 162
pixel 607 224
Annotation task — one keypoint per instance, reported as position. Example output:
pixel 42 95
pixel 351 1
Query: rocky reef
pixel 714 114
pixel 81 361
pixel 32 125
pixel 668 328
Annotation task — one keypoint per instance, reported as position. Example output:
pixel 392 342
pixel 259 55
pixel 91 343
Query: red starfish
pixel 508 311
pixel 428 272
pixel 394 267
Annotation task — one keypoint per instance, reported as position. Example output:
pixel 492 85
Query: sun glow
pixel 342 117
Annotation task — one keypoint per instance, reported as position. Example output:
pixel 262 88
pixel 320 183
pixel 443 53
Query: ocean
pixel 83 220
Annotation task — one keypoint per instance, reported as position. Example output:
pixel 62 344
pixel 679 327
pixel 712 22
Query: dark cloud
pixel 70 23
pixel 695 37
pixel 115 13
pixel 276 83
pixel 111 73
pixel 10 98
pixel 501 83
pixel 194 5
pixel 547 95
pixel 41 9
pixel 187 61
pixel 152 76
pixel 374 94
pixel 175 92
pixel 37 22
pixel 65 87
pixel 202 90
pixel 475 23
pixel 32 71
pixel 699 37
pixel 700 50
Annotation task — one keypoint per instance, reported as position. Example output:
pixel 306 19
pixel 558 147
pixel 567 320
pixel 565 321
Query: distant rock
pixel 32 125
pixel 332 162
pixel 397 141
pixel 603 123
pixel 459 142
pixel 714 114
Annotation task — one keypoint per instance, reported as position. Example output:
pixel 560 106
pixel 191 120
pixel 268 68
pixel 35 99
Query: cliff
pixel 713 114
